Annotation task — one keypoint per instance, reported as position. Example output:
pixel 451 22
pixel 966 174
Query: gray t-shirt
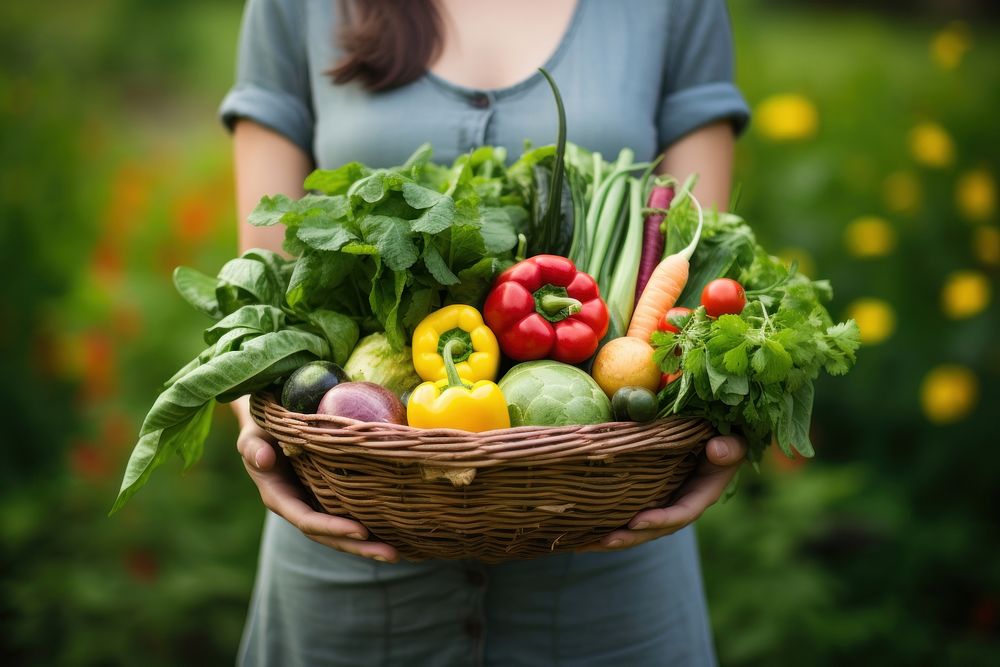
pixel 633 73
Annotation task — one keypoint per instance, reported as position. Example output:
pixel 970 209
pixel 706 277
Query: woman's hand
pixel 282 494
pixel 724 455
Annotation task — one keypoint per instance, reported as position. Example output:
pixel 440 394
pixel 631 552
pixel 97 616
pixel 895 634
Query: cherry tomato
pixel 723 296
pixel 674 313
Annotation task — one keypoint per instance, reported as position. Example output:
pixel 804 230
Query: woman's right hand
pixel 280 490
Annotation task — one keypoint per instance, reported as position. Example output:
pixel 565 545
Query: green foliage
pixel 409 232
pixel 878 551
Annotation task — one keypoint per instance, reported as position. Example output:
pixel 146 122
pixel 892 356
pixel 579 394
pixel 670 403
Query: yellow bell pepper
pixel 477 359
pixel 456 403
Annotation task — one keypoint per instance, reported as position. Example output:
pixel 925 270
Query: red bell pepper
pixel 543 308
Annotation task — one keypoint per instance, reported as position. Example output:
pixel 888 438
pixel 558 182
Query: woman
pixel 648 74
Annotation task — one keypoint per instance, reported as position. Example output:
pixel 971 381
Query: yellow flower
pixel 976 195
pixel 950 45
pixel 986 245
pixel 787 117
pixel 807 266
pixel 965 293
pixel 876 319
pixel 869 236
pixel 931 145
pixel 948 393
pixel 901 192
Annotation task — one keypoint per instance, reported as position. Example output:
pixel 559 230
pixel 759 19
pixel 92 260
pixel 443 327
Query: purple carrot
pixel 652 238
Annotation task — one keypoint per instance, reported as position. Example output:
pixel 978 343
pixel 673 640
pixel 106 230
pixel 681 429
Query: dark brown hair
pixel 386 43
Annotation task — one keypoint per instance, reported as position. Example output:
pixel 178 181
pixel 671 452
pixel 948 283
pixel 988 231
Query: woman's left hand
pixel 723 456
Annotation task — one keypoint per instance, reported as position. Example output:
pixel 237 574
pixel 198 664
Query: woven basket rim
pixel 457 448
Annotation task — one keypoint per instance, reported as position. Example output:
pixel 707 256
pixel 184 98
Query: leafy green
pixel 180 418
pixel 375 250
pixel 401 230
pixel 753 372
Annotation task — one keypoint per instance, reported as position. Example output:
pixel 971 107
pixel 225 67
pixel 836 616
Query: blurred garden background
pixel 873 159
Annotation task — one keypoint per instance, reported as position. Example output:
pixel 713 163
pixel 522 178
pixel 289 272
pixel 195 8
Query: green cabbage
pixel 550 393
pixel 374 360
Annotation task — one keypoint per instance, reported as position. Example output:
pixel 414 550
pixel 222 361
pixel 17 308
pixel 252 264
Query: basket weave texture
pixel 493 496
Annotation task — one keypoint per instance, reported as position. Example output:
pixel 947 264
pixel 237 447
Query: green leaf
pixel 314 209
pixel 340 331
pixel 664 344
pixel 475 281
pixel 172 424
pixel 198 290
pixel 317 274
pixel 335 181
pixel 683 393
pixel 437 266
pixel 385 299
pixel 331 237
pixel 393 238
pixel 735 360
pixel 419 158
pixel 733 326
pixel 253 281
pixel 155 447
pixel 716 377
pixel 735 389
pixel 498 232
pixel 420 197
pixel 255 317
pixel 374 187
pixel 694 361
pixel 842 343
pixel 437 218
pixel 422 302
pixel 771 362
pixel 794 421
pixel 270 210
pixel 466 246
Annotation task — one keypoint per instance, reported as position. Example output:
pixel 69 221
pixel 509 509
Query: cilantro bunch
pixel 753 373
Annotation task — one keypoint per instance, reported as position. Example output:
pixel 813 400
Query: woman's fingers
pixel 256 451
pixel 726 450
pixel 280 492
pixel 724 455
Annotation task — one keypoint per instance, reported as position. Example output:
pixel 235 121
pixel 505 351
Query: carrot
pixel 652 246
pixel 664 286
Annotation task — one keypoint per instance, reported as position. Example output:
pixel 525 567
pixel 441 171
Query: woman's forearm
pixel 265 163
pixel 708 152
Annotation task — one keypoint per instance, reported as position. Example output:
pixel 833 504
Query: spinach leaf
pixel 340 331
pixel 177 422
pixel 198 290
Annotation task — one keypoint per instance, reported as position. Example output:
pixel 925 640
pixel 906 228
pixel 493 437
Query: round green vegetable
pixel 550 393
pixel 634 404
pixel 306 386
pixel 374 360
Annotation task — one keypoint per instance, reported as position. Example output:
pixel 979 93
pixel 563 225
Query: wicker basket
pixel 492 496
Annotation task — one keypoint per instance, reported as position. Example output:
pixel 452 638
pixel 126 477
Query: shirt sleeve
pixel 698 75
pixel 272 72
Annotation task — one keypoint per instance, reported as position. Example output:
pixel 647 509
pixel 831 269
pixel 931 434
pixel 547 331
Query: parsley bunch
pixel 753 373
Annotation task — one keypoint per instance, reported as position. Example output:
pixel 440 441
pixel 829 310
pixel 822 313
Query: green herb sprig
pixel 753 373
